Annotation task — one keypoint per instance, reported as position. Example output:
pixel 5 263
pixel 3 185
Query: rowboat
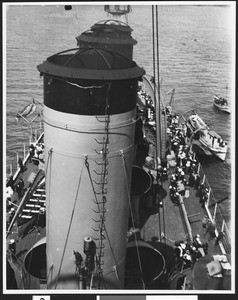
pixel 222 104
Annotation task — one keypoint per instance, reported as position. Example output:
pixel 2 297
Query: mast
pixel 160 118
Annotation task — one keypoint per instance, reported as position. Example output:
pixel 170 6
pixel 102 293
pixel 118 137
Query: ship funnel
pixel 35 260
pixel 141 181
pixel 140 184
pixel 112 35
pixel 90 100
pixel 141 273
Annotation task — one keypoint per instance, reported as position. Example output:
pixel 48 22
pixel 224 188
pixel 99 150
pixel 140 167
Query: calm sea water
pixel 195 59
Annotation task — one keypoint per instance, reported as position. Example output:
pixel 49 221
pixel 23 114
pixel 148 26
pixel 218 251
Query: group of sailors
pixel 180 159
pixel 146 102
pixel 188 253
pixel 184 169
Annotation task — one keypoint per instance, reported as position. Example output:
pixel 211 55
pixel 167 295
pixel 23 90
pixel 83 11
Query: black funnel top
pixel 91 63
pixel 108 32
pixel 110 35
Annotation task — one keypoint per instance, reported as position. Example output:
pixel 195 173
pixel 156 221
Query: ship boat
pixel 222 104
pixel 209 139
pixel 107 197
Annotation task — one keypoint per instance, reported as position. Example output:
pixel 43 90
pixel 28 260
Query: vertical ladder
pixel 103 191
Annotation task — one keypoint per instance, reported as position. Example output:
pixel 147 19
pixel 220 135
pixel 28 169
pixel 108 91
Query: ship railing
pixel 13 168
pixel 26 197
pixel 215 215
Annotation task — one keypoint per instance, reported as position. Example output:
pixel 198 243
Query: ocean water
pixel 196 59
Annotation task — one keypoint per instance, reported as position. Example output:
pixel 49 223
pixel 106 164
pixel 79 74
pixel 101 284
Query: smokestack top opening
pixel 91 63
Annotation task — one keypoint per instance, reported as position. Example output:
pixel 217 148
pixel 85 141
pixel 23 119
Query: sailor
pixel 187 258
pixel 200 190
pixel 205 221
pixel 176 198
pixel 182 175
pixel 211 230
pixel 191 180
pixel 204 198
pixel 197 181
pixel 164 174
pixel 196 241
pixel 10 182
pixel 205 248
pixel 159 173
pixel 157 198
pixel 187 193
pixel 193 166
pixel 11 214
pixel 9 192
pixel 20 187
pixel 187 166
pixel 179 250
pixel 173 180
pixel 223 144
pixel 31 152
pixel 172 190
pixel 219 237
pixel 12 246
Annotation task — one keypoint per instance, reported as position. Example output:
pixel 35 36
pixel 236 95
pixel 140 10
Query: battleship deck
pixel 175 229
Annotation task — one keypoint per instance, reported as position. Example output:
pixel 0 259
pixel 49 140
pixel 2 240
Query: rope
pixel 70 223
pixel 156 40
pixel 91 180
pixel 49 273
pixel 133 223
pixel 49 163
pixel 114 257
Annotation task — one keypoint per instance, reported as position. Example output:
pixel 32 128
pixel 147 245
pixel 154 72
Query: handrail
pixel 213 211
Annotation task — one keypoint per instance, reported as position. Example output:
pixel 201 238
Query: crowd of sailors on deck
pixel 183 168
pixel 180 159
pixel 185 175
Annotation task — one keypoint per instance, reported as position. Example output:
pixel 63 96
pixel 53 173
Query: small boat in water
pixel 222 104
pixel 208 138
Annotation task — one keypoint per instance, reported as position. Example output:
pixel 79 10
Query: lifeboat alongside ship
pixel 100 201
pixel 222 104
pixel 209 139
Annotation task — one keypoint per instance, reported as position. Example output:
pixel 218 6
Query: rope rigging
pixel 70 223
pixel 133 222
pixel 159 141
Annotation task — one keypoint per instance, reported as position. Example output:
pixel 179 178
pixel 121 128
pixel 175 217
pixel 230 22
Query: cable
pixel 70 223
pixel 133 223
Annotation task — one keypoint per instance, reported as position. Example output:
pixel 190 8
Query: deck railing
pixel 13 167
pixel 215 215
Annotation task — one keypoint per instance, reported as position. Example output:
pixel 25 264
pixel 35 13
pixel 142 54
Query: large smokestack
pixel 112 35
pixel 90 99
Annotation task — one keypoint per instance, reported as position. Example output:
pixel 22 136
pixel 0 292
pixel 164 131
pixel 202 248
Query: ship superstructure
pixel 97 210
